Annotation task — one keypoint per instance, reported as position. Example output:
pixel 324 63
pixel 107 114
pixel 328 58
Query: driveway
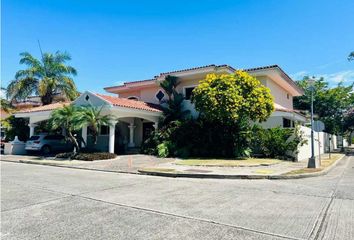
pixel 44 202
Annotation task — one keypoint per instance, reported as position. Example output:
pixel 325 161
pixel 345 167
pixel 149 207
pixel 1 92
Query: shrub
pixel 15 127
pixel 276 142
pixel 162 149
pixel 87 156
pixel 65 155
pixel 94 156
pixel 199 138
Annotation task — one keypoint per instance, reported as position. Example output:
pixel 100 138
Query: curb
pixel 191 175
pixel 72 167
pixel 221 176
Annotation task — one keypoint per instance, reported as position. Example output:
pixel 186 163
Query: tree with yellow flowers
pixel 228 98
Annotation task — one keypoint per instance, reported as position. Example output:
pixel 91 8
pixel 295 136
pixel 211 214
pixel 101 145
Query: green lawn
pixel 228 163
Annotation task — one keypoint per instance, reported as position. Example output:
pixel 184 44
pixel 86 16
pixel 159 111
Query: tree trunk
pixel 74 141
pixel 94 135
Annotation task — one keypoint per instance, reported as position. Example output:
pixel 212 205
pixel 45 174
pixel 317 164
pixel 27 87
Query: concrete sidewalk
pixel 150 165
pixel 282 170
pixel 121 164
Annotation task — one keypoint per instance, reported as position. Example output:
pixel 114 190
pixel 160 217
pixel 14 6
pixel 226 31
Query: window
pixel 54 137
pixel 286 123
pixel 287 96
pixel 188 91
pixel 133 98
pixel 33 138
pixel 160 95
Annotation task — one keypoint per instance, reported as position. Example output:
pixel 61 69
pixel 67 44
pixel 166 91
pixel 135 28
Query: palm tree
pixel 45 77
pixel 6 105
pixel 173 110
pixel 66 118
pixel 92 118
pixel 169 85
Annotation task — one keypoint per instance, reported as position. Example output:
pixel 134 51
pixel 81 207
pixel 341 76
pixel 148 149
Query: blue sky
pixel 116 41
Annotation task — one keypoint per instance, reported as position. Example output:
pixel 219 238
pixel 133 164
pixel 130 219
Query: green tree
pixel 349 121
pixel 173 109
pixel 319 88
pixel 227 98
pixel 231 101
pixel 66 118
pixel 92 118
pixel 330 104
pixel 15 127
pixel 45 77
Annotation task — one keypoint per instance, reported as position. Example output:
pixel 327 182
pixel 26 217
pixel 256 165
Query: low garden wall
pixel 322 143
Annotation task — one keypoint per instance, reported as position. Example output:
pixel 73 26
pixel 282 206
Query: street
pixel 45 202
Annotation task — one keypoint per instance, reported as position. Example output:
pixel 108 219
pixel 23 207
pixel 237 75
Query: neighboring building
pixel 136 105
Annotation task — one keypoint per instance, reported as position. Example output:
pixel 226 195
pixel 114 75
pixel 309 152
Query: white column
pixel 32 126
pixel 131 135
pixel 84 135
pixel 156 125
pixel 112 130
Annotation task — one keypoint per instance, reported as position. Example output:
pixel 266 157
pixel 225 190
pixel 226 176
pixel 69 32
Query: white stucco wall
pixel 272 121
pixel 279 93
pixel 321 144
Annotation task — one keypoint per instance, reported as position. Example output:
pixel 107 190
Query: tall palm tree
pixel 169 85
pixel 92 118
pixel 45 77
pixel 66 118
pixel 174 108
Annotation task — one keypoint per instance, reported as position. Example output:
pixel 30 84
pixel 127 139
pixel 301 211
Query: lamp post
pixel 312 160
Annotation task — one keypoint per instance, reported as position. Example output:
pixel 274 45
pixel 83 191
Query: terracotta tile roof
pixel 195 68
pixel 128 103
pixel 260 68
pixel 280 108
pixel 44 108
pixel 285 75
pixel 139 81
pixel 171 72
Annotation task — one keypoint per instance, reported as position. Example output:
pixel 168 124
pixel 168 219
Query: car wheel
pixel 46 150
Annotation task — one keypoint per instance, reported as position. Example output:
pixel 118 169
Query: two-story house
pixel 136 105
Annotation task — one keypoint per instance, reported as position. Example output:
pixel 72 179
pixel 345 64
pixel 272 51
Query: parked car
pixel 48 144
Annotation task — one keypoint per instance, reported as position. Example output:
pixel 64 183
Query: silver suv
pixel 48 144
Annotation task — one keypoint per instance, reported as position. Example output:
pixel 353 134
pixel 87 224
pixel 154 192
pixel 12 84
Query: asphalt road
pixel 44 202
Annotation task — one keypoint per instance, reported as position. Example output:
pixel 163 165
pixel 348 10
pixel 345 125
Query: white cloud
pixel 299 75
pixel 342 76
pixel 347 77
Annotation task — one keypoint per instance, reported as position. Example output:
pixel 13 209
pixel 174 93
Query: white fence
pixel 322 143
